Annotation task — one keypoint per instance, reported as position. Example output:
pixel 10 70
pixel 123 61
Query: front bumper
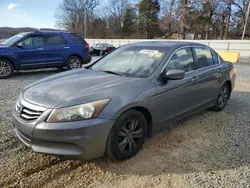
pixel 77 140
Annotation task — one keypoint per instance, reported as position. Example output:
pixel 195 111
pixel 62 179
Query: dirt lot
pixel 205 150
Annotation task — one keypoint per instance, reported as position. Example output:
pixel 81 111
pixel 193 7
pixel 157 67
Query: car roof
pixel 52 32
pixel 168 44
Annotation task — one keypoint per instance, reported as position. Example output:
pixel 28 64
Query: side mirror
pixel 21 45
pixel 174 74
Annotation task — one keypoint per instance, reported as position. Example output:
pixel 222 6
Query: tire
pixel 222 98
pixel 6 69
pixel 127 135
pixel 74 62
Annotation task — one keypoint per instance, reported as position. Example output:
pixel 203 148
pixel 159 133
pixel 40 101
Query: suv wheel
pixel 127 135
pixel 222 98
pixel 6 69
pixel 74 62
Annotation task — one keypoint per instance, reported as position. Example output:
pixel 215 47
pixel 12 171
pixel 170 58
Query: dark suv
pixel 42 49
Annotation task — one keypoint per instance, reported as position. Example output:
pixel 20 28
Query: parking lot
pixel 208 149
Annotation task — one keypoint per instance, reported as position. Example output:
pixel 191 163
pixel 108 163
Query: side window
pixel 216 58
pixel 204 56
pixel 77 39
pixel 182 59
pixel 54 40
pixel 33 41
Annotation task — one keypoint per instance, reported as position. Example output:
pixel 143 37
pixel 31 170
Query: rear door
pixel 56 49
pixel 32 52
pixel 209 73
pixel 80 47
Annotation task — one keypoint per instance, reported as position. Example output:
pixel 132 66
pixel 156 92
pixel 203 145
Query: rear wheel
pixel 127 135
pixel 222 98
pixel 6 69
pixel 74 62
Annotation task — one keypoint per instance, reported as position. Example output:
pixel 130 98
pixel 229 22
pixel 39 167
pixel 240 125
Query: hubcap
pixel 129 136
pixel 223 97
pixel 75 64
pixel 5 69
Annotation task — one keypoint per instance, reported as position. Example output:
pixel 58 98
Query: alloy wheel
pixel 129 136
pixel 5 69
pixel 75 64
pixel 223 97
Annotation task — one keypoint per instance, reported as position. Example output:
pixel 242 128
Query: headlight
pixel 79 112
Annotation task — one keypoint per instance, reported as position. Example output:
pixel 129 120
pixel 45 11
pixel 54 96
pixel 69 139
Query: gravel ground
pixel 208 149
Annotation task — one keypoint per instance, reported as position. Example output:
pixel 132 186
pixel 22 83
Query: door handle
pixel 39 48
pixel 195 78
pixel 219 70
pixel 66 47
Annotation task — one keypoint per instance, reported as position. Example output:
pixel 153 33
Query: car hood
pixel 63 87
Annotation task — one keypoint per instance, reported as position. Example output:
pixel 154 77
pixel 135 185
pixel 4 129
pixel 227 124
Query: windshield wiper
pixel 112 72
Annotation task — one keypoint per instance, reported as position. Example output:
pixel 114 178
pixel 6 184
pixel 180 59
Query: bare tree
pixel 74 15
pixel 116 10
pixel 185 11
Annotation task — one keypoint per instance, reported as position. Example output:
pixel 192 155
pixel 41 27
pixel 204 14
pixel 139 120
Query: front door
pixel 177 97
pixel 31 54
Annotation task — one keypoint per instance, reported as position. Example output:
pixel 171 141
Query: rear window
pixel 54 40
pixel 204 57
pixel 77 39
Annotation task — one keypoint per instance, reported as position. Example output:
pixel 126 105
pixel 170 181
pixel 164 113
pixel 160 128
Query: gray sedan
pixel 112 105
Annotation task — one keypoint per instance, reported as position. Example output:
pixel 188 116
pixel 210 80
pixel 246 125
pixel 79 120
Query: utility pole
pixel 246 20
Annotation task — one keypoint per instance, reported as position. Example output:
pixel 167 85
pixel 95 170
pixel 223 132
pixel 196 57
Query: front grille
pixel 29 114
pixel 27 111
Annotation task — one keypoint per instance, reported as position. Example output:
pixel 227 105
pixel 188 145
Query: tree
pixel 129 23
pixel 185 11
pixel 146 19
pixel 168 21
pixel 100 28
pixel 116 9
pixel 148 16
pixel 76 15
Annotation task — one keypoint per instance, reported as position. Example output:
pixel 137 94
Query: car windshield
pixel 132 61
pixel 13 39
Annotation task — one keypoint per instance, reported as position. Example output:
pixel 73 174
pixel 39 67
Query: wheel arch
pixel 8 59
pixel 229 83
pixel 147 114
pixel 77 55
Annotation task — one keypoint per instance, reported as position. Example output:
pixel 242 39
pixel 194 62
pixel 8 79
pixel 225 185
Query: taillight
pixel 87 47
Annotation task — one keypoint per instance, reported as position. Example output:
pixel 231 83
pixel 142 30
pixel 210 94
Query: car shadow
pixel 208 141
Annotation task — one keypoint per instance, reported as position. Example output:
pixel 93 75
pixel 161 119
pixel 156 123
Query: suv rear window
pixel 54 40
pixel 77 39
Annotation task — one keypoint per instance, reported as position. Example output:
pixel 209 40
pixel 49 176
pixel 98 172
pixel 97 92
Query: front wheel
pixel 222 98
pixel 102 53
pixel 74 62
pixel 6 69
pixel 127 135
